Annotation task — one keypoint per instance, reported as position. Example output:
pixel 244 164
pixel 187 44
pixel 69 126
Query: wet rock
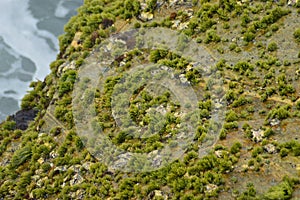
pixel 23 117
pixel 270 148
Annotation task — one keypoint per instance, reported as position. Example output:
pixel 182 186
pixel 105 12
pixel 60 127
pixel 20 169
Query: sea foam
pixel 25 49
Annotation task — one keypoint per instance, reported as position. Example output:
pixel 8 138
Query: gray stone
pixel 270 148
pixel 146 16
pixel 292 2
pixel 221 153
pixel 66 66
pixel 76 179
pixel 274 122
pixel 38 171
pixel 157 194
pixel 257 135
pixel 211 187
pixel 87 165
pixel 53 154
pixel 35 177
pixel 176 23
pixel 40 182
pixel 60 168
pixel 180 3
pixel 75 168
pixel 183 79
pixel 183 26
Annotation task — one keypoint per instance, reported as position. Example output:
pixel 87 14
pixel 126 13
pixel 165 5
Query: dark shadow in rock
pixel 23 117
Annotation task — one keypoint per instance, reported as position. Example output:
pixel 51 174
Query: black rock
pixel 23 117
pixel 107 23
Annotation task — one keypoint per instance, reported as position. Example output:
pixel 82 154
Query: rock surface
pixel 23 117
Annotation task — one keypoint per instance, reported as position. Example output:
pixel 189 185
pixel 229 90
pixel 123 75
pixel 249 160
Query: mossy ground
pixel 256 46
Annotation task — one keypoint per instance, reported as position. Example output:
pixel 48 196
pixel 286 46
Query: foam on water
pixel 21 33
pixel 61 11
pixel 28 45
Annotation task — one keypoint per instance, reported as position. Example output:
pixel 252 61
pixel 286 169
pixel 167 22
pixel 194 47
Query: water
pixel 28 44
